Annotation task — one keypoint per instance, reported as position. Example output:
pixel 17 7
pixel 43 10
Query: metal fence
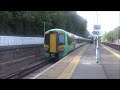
pixel 16 40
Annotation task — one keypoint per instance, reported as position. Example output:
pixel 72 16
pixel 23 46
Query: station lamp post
pixel 97 47
pixel 44 28
pixel 117 34
pixel 96 33
pixel 118 31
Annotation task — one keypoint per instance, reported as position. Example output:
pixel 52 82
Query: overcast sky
pixel 107 19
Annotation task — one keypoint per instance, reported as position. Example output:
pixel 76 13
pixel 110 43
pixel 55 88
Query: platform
pixel 81 64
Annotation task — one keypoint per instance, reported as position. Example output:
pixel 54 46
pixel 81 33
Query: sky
pixel 107 19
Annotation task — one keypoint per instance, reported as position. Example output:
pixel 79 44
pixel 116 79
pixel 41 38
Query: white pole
pixel 117 34
pixel 119 25
pixel 44 29
pixel 97 47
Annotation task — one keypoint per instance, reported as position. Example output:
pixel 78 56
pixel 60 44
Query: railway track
pixel 114 46
pixel 30 69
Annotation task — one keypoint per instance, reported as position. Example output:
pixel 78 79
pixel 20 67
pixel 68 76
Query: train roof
pixel 59 30
pixel 56 29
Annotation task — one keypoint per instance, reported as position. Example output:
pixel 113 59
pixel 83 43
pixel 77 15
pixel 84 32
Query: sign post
pixel 96 27
pixel 44 29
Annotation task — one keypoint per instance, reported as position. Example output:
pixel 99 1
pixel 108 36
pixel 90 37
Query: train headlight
pixel 61 49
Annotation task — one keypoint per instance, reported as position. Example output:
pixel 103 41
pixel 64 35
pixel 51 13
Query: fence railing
pixel 16 40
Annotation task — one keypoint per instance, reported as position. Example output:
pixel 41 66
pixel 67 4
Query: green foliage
pixel 30 23
pixel 112 35
pixel 104 37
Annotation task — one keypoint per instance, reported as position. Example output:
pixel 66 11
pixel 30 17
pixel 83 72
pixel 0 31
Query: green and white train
pixel 58 43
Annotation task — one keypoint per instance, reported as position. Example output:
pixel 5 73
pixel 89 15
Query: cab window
pixel 47 39
pixel 61 39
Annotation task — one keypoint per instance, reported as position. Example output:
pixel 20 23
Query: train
pixel 58 43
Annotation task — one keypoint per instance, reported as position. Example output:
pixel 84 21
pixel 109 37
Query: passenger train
pixel 58 43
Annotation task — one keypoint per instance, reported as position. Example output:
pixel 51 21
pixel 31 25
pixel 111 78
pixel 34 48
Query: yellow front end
pixel 53 43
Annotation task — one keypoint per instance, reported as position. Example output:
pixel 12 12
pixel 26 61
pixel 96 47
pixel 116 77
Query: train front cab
pixel 54 45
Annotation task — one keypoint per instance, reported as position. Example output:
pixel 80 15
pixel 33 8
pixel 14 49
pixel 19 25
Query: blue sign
pixel 96 27
pixel 95 33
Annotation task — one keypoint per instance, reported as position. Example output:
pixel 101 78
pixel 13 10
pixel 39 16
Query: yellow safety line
pixel 66 74
pixel 114 53
pixel 76 63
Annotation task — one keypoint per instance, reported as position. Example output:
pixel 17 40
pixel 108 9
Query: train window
pixel 81 41
pixel 70 40
pixel 47 39
pixel 77 40
pixel 61 39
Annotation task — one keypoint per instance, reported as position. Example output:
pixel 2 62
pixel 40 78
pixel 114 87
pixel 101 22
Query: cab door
pixel 53 42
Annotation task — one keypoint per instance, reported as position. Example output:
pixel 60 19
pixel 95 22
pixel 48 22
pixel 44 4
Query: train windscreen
pixel 61 39
pixel 47 39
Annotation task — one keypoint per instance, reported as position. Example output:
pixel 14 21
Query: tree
pixel 30 23
pixel 112 35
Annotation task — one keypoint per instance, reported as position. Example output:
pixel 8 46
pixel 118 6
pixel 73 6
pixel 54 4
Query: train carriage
pixel 58 43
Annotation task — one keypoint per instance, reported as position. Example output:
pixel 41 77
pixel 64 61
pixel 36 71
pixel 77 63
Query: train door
pixel 74 43
pixel 53 42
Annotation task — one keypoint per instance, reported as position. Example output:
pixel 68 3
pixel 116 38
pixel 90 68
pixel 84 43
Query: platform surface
pixel 108 68
pixel 81 64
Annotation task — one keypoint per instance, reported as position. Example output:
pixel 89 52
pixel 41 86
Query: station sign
pixel 96 27
pixel 95 32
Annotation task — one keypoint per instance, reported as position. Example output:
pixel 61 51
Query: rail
pixel 114 46
pixel 24 72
